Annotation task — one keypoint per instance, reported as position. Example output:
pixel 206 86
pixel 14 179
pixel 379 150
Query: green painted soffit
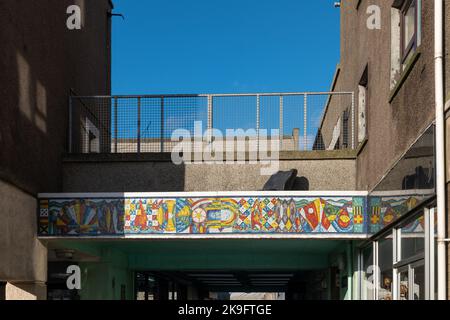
pixel 224 254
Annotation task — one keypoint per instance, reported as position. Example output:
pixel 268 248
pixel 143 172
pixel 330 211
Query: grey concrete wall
pixel 115 173
pixel 22 256
pixel 41 61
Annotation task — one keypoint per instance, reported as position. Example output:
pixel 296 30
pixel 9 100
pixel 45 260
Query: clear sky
pixel 224 46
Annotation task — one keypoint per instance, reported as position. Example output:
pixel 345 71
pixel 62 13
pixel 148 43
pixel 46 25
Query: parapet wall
pixel 324 170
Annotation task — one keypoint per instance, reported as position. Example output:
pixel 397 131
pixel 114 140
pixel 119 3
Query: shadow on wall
pixel 40 63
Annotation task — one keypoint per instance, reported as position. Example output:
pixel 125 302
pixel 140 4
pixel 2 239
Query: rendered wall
pixel 23 258
pixel 116 173
pixel 392 125
pixel 41 61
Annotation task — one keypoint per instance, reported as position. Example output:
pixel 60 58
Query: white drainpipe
pixel 440 149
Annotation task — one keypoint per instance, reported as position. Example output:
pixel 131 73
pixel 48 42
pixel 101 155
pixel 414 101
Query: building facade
pixel 43 63
pixel 359 222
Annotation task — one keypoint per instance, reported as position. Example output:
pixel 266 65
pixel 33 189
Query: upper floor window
pixel 408 29
pixel 406 36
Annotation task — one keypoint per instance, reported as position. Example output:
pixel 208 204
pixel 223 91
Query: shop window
pixel 385 258
pixel 412 236
pixel 411 266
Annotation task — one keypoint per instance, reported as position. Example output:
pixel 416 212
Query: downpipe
pixel 440 149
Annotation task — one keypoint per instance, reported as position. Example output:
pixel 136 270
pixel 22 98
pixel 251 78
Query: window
pixel 385 255
pixel 406 36
pixel 412 239
pixel 91 139
pixel 2 290
pixel 411 259
pixel 408 29
pixel 362 105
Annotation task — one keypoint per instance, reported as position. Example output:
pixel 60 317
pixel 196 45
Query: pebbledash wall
pixel 324 170
pixel 42 61
pixel 399 98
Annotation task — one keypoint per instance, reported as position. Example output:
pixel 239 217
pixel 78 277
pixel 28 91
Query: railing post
pixel 305 122
pixel 70 125
pixel 258 109
pixel 210 117
pixel 162 124
pixel 139 126
pixel 281 133
pixel 115 125
pixel 353 121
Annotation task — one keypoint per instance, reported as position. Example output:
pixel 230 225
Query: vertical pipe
pixel 429 238
pixel 139 126
pixel 162 124
pixel 70 125
pixel 305 122
pixel 281 123
pixel 376 272
pixel 440 148
pixel 115 125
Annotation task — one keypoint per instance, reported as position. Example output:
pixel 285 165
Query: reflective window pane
pixel 403 283
pixel 419 282
pixel 409 25
pixel 385 257
pixel 413 238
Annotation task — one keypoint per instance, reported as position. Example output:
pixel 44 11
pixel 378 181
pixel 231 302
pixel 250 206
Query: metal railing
pixel 300 121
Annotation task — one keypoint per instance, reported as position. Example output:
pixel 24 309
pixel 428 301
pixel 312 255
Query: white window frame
pixel 428 261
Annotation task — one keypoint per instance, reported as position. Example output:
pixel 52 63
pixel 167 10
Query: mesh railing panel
pixel 146 124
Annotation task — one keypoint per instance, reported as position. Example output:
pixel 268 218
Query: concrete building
pixel 112 202
pixel 42 63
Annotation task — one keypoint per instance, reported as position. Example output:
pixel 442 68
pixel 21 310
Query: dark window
pixel 2 290
pixel 408 29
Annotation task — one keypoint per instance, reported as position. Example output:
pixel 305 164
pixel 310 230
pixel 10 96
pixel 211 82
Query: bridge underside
pixel 208 265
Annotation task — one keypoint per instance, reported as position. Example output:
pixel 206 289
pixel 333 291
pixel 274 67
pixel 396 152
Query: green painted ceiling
pixel 212 254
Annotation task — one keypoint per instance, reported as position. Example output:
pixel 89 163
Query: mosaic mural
pixel 81 217
pixel 385 210
pixel 249 215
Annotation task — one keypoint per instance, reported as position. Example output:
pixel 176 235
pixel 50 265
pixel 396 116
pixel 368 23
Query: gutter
pixel 440 149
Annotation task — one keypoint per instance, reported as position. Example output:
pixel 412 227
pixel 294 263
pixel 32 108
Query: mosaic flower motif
pixel 199 215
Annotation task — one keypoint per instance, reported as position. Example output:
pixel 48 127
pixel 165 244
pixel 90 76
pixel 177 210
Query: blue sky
pixel 224 46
